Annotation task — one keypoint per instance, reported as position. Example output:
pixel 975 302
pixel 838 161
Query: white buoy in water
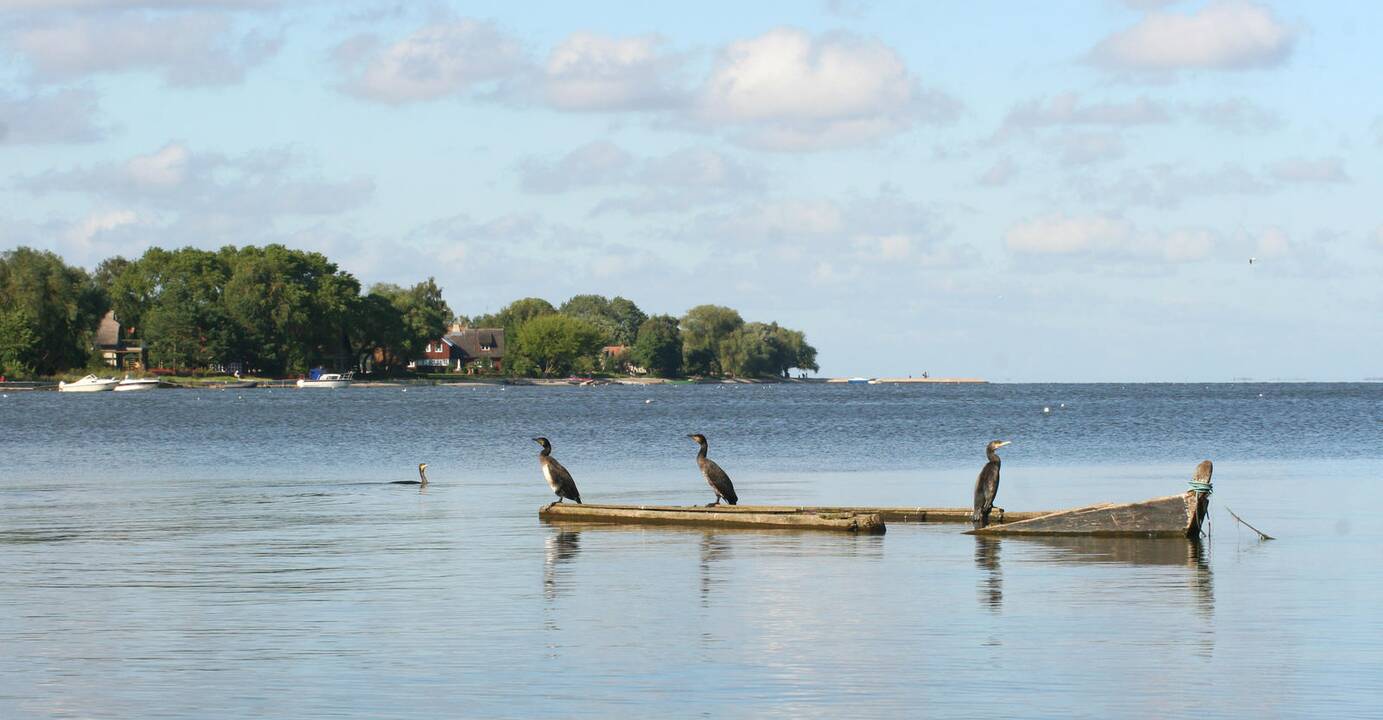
pixel 1046 410
pixel 648 402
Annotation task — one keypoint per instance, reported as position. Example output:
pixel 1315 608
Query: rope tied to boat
pixel 1200 487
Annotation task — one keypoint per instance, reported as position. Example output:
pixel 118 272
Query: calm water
pixel 203 554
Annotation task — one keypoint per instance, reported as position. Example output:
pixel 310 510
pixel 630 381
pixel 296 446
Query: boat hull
pixel 136 386
pixel 1164 517
pixel 324 384
pixel 90 383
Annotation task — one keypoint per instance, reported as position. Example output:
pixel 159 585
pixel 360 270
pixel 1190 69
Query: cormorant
pixel 987 485
pixel 420 482
pixel 557 476
pixel 715 477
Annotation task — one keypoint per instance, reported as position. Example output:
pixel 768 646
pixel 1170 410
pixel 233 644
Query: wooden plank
pixel 710 517
pixel 1160 517
pixel 887 514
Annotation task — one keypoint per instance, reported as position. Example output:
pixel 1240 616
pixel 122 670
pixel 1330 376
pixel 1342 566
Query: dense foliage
pixel 48 312
pixel 275 311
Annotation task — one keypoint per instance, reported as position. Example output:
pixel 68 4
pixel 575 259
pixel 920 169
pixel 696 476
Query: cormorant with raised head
pixel 557 476
pixel 987 484
pixel 715 477
pixel 420 482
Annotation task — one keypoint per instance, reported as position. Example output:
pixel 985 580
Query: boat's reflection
pixel 1193 555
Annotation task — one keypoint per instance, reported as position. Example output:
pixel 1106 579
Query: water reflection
pixel 991 588
pixel 715 550
pixel 560 548
pixel 1190 554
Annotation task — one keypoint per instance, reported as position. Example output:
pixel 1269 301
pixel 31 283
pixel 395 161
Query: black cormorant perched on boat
pixel 420 482
pixel 987 485
pixel 557 476
pixel 715 477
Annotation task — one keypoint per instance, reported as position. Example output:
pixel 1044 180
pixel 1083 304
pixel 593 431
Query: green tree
pixel 552 345
pixel 422 318
pixel 794 351
pixel 704 327
pixel 618 319
pixel 515 314
pixel 628 318
pixel 658 347
pixel 48 311
pixel 18 343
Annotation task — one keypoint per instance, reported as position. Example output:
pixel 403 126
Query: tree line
pixel 709 340
pixel 273 310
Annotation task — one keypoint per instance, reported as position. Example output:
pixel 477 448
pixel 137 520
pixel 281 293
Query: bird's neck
pixel 992 455
pixel 546 451
pixel 422 476
pixel 702 452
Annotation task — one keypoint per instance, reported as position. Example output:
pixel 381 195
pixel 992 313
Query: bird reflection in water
pixel 715 549
pixel 991 587
pixel 561 547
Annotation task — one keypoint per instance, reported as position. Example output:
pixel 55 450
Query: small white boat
pixel 331 381
pixel 90 383
pixel 130 384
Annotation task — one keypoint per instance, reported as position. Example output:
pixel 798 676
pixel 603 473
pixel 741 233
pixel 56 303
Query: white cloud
pixel 1273 243
pixel 592 164
pixel 679 180
pixel 1224 35
pixel 1089 148
pixel 126 4
pixel 445 58
pixel 1061 235
pixel 88 228
pixel 1236 115
pixel 164 167
pixel 1166 185
pixel 1308 171
pixel 1000 173
pixel 186 48
pixel 785 90
pixel 1105 239
pixel 63 116
pixel 1066 109
pixel 209 187
pixel 590 72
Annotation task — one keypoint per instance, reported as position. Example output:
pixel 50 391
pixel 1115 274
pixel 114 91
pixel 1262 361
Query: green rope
pixel 1199 487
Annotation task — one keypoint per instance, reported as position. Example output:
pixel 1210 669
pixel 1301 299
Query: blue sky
pixel 1060 191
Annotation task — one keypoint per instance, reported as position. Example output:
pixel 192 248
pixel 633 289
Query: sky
pixel 1058 191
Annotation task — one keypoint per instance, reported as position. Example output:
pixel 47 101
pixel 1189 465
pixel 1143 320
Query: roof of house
pixel 108 334
pixel 473 341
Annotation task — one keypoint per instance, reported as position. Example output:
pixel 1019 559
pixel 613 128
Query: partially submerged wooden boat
pixel 1165 517
pixel 722 516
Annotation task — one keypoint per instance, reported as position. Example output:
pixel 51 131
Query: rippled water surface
pixel 202 554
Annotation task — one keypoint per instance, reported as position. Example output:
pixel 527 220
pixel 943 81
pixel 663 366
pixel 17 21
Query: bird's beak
pixel 1006 442
pixel 536 440
pixel 423 466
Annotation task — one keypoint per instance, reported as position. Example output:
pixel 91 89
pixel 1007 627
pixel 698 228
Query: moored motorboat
pixel 130 384
pixel 330 381
pixel 90 383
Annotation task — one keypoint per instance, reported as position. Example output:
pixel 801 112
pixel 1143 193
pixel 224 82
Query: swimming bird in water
pixel 987 485
pixel 420 482
pixel 715 477
pixel 557 476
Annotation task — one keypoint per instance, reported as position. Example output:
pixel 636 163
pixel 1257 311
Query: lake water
pixel 196 554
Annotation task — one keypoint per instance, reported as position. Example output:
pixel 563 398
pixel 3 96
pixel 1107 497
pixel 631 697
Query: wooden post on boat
pixel 1198 499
